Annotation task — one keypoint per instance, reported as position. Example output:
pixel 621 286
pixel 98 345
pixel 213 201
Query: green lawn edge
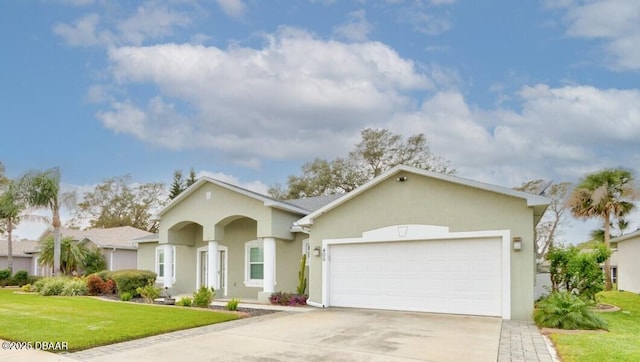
pixel 87 322
pixel 621 343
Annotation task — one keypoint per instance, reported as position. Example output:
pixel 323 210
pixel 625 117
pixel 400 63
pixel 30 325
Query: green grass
pixel 621 343
pixel 86 322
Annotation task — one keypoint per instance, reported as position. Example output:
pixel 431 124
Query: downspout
pixel 111 259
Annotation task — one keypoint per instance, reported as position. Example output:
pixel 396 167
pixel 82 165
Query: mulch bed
pixel 246 312
pixel 603 308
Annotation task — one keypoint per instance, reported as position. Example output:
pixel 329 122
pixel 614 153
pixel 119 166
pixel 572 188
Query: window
pixel 254 257
pixel 306 250
pixel 614 274
pixel 161 263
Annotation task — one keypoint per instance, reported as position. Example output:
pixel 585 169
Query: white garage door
pixel 461 276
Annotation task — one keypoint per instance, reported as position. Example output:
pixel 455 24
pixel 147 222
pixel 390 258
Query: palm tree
pixel 73 255
pixel 43 190
pixel 10 209
pixel 607 195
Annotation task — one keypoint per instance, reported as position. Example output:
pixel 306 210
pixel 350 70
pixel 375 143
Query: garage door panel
pixel 443 276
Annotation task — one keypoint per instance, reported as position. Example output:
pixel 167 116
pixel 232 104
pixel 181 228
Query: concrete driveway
pixel 333 334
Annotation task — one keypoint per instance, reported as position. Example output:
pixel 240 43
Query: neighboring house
pixel 115 244
pixel 22 251
pixel 628 265
pixel 409 239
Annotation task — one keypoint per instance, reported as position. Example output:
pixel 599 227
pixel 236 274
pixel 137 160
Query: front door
pixel 222 270
pixel 204 267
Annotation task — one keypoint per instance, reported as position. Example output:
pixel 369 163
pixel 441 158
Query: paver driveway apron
pixel 335 334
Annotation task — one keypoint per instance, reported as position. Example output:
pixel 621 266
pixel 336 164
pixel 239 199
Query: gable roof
pixel 152 238
pixel 312 204
pixel 19 248
pixel 538 201
pixel 626 237
pixel 266 200
pixel 117 237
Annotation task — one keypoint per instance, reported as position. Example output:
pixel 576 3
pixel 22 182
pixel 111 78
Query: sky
pixel 247 91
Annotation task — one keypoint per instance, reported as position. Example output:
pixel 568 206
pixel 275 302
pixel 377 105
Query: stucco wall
pixel 19 263
pixel 120 258
pixel 628 265
pixel 427 201
pixel 146 256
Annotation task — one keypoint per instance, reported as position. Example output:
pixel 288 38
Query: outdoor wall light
pixel 517 243
pixel 316 251
pixel 402 178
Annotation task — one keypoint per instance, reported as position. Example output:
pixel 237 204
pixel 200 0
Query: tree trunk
pixel 56 243
pixel 607 263
pixel 9 246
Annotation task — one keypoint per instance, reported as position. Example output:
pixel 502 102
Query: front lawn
pixel 621 343
pixel 86 322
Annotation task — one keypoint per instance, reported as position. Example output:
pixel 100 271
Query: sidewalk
pixel 522 341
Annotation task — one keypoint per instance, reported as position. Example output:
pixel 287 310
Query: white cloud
pixel 297 95
pixel 149 21
pixel 616 22
pixel 233 8
pixel 560 133
pixel 84 32
pixel 357 28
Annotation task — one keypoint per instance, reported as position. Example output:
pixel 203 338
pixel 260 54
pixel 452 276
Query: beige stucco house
pixel 408 240
pixel 628 254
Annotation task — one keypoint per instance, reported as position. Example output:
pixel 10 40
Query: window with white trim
pixel 306 250
pixel 254 263
pixel 161 263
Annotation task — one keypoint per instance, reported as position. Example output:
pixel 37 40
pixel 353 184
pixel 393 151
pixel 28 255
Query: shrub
pixel 566 311
pixel 32 279
pixel 577 272
pixel 50 286
pixel 298 300
pixel 27 288
pixel 281 298
pixel 21 278
pixel 104 274
pixel 5 277
pixel 131 280
pixel 302 281
pixel 185 302
pixel 94 262
pixel 126 296
pixel 74 287
pixel 149 292
pixel 284 298
pixel 95 284
pixel 109 287
pixel 203 297
pixel 232 305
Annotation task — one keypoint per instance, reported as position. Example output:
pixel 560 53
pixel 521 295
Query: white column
pixel 212 267
pixel 269 266
pixel 168 265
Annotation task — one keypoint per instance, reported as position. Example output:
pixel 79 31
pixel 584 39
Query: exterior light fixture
pixel 402 178
pixel 517 243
